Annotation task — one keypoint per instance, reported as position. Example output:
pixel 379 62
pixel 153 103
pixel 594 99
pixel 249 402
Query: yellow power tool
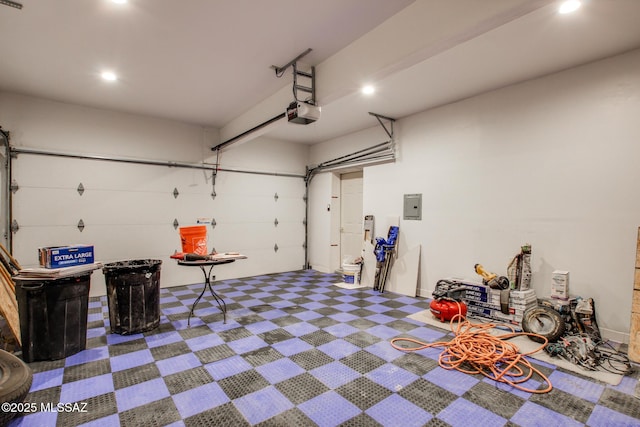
pixel 496 282
pixel 491 279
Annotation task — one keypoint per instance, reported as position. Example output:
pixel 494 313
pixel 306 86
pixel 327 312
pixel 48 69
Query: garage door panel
pixel 128 212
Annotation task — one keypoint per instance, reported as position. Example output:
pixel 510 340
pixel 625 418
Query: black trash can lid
pixel 132 266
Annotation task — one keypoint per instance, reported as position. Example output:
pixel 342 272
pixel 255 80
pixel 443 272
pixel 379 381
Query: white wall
pixel 551 162
pixel 129 209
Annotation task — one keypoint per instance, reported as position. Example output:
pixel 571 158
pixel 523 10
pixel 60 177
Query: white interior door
pixel 351 215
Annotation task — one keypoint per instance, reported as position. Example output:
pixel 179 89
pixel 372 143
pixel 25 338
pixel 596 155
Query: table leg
pixel 193 307
pixel 219 300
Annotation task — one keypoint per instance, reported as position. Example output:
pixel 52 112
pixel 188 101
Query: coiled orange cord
pixel 475 351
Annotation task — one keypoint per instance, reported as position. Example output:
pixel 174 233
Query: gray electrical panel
pixel 413 206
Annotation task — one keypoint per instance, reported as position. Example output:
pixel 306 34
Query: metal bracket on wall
pixel 176 224
pixel 14 226
pixel 275 222
pixel 213 223
pixel 81 225
pixel 391 121
pixel 176 193
pixel 275 248
pixel 80 189
pixel 14 186
pixel 275 197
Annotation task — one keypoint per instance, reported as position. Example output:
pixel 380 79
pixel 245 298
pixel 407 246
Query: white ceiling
pixel 208 62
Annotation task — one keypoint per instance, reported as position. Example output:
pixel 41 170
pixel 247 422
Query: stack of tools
pixel 9 267
pixel 484 301
pixel 215 256
pixel 496 282
pixel 385 252
pixel 519 269
pixel 192 256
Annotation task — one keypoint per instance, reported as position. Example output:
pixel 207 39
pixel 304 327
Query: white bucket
pixel 351 273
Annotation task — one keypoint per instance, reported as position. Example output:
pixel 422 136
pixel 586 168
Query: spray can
pixel 524 268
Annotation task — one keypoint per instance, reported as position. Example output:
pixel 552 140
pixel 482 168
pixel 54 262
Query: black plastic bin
pixel 133 295
pixel 53 316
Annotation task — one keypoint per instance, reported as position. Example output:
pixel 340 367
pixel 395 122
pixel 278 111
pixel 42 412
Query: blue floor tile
pixel 396 411
pixel 297 350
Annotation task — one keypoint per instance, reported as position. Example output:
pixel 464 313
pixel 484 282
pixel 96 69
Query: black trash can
pixel 133 295
pixel 53 316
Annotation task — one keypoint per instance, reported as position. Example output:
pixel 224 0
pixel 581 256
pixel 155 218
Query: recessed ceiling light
pixel 569 6
pixel 109 76
pixel 368 90
pixel 119 1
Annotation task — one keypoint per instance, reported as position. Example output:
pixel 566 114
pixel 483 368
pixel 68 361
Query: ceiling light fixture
pixel 368 90
pixel 109 76
pixel 119 1
pixel 569 6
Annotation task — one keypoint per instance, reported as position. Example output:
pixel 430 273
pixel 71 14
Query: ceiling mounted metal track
pixel 311 89
pixel 202 166
pixel 248 132
pixel 280 70
pixel 11 4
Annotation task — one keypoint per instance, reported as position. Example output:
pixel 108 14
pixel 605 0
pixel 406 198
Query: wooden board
pixel 634 338
pixel 9 307
pixel 638 251
pixel 403 278
pixel 634 333
pixel 635 304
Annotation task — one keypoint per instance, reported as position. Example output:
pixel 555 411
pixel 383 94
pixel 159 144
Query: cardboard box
pixel 527 295
pixel 560 284
pixel 65 256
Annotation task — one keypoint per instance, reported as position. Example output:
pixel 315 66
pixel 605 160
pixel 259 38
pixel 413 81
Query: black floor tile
pixel 296 350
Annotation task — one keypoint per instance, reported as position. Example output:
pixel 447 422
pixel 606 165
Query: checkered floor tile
pixel 296 350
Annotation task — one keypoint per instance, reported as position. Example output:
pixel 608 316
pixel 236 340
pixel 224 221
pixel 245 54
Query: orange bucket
pixel 194 239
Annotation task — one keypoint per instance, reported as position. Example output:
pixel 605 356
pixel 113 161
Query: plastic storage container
pixel 133 295
pixel 53 316
pixel 351 273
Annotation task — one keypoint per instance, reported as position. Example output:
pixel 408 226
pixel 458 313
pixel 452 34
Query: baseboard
pixel 616 336
pixel 424 292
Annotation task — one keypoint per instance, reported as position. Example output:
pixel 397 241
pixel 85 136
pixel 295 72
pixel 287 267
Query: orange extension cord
pixel 475 351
